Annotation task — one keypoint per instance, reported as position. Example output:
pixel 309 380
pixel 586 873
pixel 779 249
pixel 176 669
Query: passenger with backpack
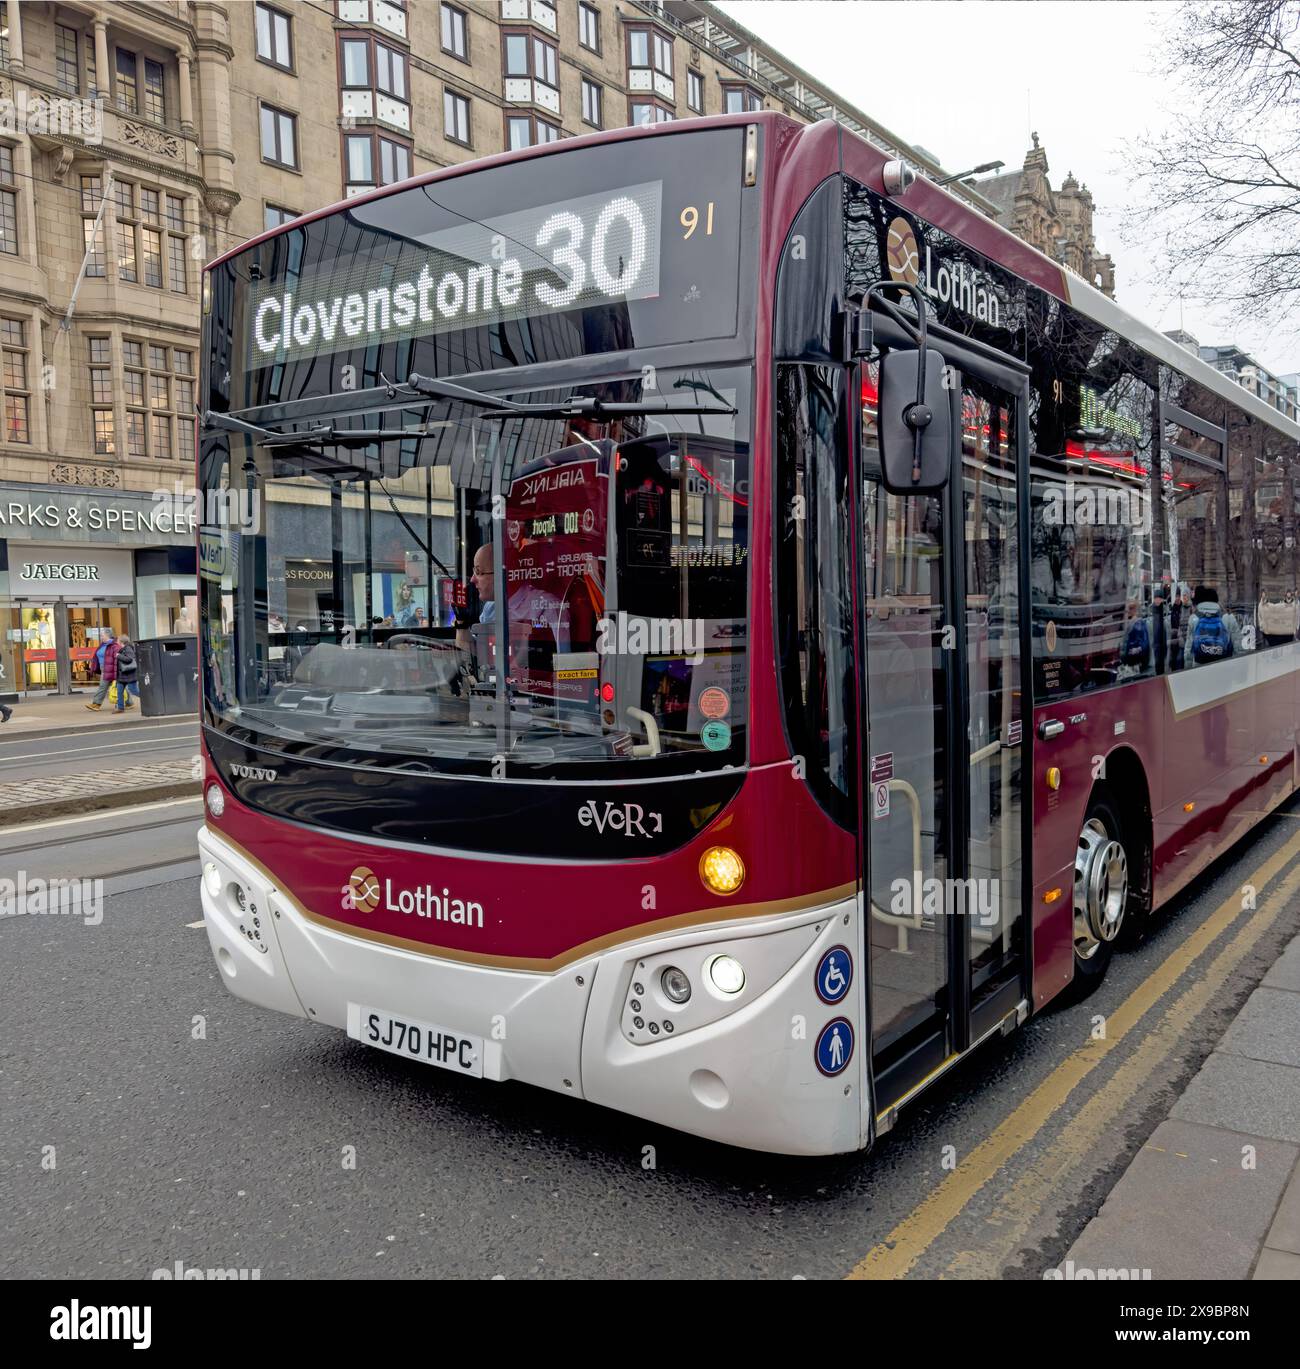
pixel 1135 648
pixel 126 668
pixel 1212 635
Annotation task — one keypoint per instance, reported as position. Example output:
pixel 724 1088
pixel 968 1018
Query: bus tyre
pixel 1101 892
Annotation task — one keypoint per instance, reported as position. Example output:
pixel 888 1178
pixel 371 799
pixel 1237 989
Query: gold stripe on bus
pixel 698 918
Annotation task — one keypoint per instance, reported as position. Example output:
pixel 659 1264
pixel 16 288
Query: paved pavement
pixel 1215 1191
pixel 56 713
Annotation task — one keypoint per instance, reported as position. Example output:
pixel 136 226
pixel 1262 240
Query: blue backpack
pixel 1136 650
pixel 1211 640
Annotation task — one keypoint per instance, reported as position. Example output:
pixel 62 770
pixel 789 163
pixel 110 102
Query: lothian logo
pixel 364 891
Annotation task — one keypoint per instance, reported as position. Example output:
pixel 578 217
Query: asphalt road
pixel 187 1126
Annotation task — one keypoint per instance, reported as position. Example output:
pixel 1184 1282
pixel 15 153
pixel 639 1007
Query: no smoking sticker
pixel 880 799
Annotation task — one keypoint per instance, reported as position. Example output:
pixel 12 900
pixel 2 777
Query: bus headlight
pixel 727 974
pixel 216 800
pixel 676 984
pixel 722 870
pixel 212 879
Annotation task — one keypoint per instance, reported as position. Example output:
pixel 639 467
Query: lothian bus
pixel 723 629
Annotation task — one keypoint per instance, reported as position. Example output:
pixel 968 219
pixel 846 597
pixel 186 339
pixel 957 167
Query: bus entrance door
pixel 944 822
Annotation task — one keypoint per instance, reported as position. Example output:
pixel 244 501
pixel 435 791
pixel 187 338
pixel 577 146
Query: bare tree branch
pixel 1220 192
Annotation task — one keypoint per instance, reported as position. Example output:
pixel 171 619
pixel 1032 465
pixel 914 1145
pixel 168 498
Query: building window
pixel 369 65
pixel 527 55
pixel 360 162
pixel 101 383
pixel 279 137
pixel 8 201
pixel 104 444
pixel 135 376
pixel 274 40
pixel 525 130
pixel 741 100
pixel 91 192
pixel 151 247
pixel 372 159
pixel 177 276
pixel 155 106
pixel 127 228
pixel 17 393
pixel 695 91
pixel 591 102
pixel 589 27
pixel 390 71
pixel 648 112
pixel 67 66
pixel 455 34
pixel 356 64
pixel 127 92
pixel 650 48
pixel 455 117
pixel 394 161
pixel 4 34
pixel 159 390
pixel 274 215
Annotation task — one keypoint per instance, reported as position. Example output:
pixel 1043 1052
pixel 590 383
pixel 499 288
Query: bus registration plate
pixel 416 1040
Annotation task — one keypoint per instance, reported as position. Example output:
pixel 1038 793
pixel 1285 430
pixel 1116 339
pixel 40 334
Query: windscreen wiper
pixel 324 436
pixel 574 406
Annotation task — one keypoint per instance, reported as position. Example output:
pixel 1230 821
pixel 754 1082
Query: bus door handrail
pixel 901 922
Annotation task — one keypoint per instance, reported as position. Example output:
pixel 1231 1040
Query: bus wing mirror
pixel 915 436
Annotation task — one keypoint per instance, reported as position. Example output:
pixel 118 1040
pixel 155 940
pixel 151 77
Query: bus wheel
pixel 1100 893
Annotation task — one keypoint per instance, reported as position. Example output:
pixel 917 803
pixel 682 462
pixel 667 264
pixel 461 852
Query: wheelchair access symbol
pixel 834 1047
pixel 834 975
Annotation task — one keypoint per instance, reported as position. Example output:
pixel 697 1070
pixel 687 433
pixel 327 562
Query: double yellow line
pixel 1016 1209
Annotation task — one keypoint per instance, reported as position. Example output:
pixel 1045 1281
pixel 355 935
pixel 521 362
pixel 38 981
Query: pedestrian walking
pixel 100 667
pixel 126 668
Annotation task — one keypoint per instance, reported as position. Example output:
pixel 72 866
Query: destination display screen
pixel 630 244
pixel 556 256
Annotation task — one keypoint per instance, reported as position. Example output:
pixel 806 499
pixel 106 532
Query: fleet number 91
pixel 689 219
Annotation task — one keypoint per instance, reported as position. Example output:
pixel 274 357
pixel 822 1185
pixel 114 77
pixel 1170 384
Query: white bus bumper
pixel 738 1068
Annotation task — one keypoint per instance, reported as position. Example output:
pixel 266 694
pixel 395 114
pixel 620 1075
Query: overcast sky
pixel 972 80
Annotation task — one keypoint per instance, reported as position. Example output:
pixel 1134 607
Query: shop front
pixel 74 566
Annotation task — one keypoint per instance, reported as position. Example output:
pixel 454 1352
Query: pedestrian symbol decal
pixel 834 1047
pixel 834 974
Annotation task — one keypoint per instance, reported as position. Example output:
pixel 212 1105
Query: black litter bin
pixel 169 675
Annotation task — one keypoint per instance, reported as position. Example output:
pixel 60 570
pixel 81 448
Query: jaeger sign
pixel 62 572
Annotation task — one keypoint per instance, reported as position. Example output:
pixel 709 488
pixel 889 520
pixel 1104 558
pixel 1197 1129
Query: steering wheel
pixel 407 641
